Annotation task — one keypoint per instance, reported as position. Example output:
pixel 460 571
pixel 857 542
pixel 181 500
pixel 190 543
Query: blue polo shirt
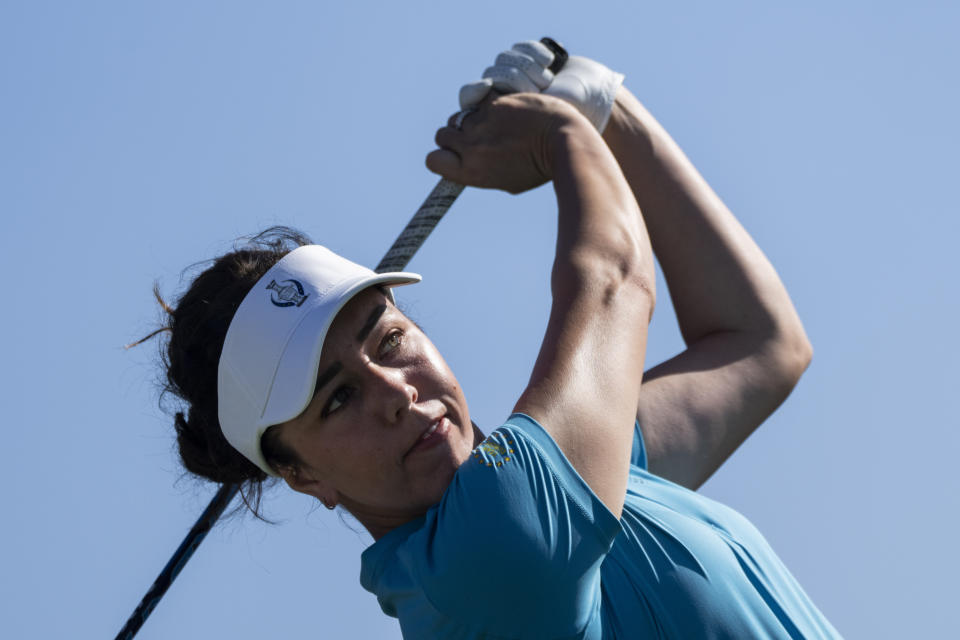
pixel 520 547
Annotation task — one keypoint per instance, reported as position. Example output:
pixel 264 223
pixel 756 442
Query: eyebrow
pixel 371 322
pixel 326 377
pixel 365 330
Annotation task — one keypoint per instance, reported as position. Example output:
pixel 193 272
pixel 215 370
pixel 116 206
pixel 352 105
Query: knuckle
pixel 444 137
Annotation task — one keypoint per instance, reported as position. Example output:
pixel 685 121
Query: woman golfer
pixel 577 517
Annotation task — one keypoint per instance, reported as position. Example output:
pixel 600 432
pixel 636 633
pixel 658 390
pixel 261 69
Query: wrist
pixel 629 124
pixel 569 132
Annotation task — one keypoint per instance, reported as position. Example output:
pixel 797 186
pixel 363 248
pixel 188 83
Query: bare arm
pixel 585 385
pixel 746 347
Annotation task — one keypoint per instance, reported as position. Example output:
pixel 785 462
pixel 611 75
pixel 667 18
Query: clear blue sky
pixel 138 138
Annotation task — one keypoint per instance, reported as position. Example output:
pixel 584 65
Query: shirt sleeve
pixel 638 456
pixel 518 539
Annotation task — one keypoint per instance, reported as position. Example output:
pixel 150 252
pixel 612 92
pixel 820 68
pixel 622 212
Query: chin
pixel 442 480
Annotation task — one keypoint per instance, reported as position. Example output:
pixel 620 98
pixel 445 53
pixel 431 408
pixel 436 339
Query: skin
pixel 355 436
pixel 746 347
pixel 585 385
pixel 358 454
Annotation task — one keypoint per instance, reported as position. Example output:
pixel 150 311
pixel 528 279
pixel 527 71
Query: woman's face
pixel 388 425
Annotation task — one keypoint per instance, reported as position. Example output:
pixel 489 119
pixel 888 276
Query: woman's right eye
pixel 337 399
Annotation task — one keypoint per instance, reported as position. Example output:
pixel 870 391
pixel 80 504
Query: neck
pixel 378 523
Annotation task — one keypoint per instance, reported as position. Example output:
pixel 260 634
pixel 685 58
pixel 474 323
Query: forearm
pixel 599 222
pixel 719 278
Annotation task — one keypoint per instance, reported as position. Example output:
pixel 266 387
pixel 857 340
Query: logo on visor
pixel 289 293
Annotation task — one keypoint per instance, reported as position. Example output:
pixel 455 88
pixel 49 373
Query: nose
pixel 394 395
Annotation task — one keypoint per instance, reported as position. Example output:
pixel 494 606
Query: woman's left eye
pixel 392 340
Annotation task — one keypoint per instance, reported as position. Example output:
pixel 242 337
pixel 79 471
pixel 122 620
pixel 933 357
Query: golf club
pixel 404 247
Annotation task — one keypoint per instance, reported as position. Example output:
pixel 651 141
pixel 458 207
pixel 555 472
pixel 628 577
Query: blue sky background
pixel 139 138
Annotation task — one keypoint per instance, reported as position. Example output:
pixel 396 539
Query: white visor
pixel 268 367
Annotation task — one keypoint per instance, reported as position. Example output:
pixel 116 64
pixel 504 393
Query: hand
pixel 587 85
pixel 507 143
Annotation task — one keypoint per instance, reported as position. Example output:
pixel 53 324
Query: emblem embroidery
pixel 492 453
pixel 288 293
pixel 493 449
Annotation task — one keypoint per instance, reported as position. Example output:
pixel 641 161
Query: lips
pixel 431 436
pixel 433 427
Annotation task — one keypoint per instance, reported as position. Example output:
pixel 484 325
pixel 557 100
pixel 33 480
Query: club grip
pixel 560 54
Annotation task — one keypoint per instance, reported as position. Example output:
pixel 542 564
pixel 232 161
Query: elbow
pixel 623 282
pixel 792 354
pixel 619 271
pixel 630 272
pixel 806 355
pixel 637 273
pixel 801 350
pixel 644 286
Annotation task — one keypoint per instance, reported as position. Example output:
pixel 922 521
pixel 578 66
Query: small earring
pixel 327 504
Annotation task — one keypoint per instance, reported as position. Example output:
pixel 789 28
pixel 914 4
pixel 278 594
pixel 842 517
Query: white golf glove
pixel 584 83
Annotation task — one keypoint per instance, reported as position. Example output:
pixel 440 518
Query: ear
pixel 304 482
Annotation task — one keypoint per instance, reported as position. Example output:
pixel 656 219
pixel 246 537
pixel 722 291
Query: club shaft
pixel 190 543
pixel 424 220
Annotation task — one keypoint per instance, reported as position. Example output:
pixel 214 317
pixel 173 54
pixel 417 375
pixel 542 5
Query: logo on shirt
pixel 288 293
pixel 494 451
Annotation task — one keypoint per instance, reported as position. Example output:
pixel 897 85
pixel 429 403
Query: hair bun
pixel 198 326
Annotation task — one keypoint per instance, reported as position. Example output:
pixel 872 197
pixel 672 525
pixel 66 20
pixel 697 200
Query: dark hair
pixel 197 325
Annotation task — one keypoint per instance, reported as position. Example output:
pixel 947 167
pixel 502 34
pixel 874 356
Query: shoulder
pixel 518 475
pixel 521 533
pixel 518 533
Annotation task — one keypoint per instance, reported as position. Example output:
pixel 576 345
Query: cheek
pixel 360 454
pixel 436 364
pixel 327 455
pixel 312 453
